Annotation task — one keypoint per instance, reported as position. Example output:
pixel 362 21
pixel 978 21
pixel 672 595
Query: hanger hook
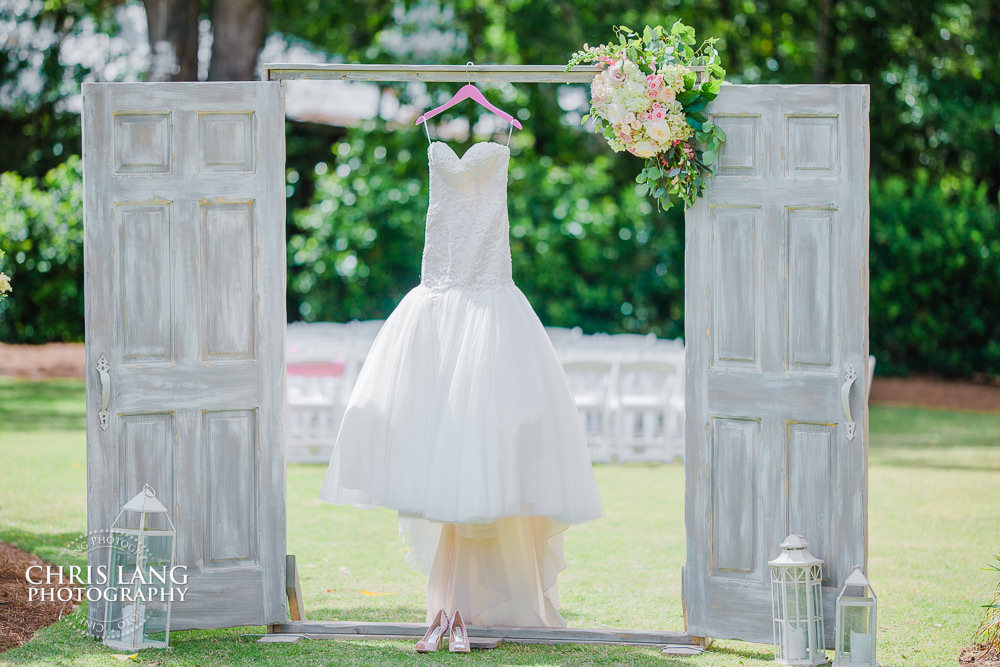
pixel 467 74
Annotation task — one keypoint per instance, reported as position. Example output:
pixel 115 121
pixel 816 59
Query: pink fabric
pixel 316 368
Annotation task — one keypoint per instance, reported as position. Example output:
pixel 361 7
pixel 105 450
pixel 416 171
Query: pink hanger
pixel 468 91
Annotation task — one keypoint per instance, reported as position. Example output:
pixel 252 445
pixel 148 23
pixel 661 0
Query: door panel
pixel 185 299
pixel 776 310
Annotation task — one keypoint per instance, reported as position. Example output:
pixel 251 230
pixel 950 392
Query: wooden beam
pixel 520 635
pixel 435 73
pixel 293 590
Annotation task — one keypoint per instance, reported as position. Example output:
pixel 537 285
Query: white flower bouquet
pixel 648 100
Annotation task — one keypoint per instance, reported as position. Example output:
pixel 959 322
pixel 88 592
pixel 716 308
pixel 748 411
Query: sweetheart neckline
pixel 468 150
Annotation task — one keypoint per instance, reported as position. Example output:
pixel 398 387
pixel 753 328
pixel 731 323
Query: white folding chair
pixel 315 408
pixel 590 381
pixel 644 415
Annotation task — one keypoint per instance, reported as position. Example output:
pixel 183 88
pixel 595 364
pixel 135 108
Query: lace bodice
pixel 467 244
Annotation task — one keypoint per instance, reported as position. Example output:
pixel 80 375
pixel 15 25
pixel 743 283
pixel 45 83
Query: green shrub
pixel 587 252
pixel 988 632
pixel 41 231
pixel 935 277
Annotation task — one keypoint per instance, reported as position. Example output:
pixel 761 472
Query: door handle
pixel 845 398
pixel 102 369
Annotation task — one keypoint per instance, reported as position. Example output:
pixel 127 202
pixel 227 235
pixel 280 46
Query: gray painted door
pixel 776 326
pixel 184 223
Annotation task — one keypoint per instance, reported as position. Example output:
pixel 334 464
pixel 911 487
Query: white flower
pixel 615 112
pixel 679 129
pixel 659 131
pixel 673 77
pixel 666 95
pixel 615 74
pixel 599 92
pixel 644 148
pixel 617 145
pixel 4 283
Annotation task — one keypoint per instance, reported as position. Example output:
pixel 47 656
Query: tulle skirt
pixel 462 420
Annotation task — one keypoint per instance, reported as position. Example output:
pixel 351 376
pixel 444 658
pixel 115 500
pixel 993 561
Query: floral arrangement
pixel 4 281
pixel 648 101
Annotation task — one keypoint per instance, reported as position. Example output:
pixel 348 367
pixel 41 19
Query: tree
pixel 173 39
pixel 238 32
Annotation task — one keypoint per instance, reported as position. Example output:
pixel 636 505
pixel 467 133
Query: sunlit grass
pixel 934 486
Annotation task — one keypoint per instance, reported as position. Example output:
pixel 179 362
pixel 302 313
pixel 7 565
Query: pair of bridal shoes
pixel 458 636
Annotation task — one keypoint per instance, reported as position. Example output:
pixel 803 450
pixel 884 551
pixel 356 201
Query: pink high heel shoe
pixel 458 638
pixel 435 633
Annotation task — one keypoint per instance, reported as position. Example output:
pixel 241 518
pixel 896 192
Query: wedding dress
pixel 461 418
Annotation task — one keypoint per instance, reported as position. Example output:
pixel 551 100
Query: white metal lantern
pixel 137 607
pixel 797 604
pixel 856 627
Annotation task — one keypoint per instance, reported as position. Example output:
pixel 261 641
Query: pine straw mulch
pixel 978 656
pixel 19 617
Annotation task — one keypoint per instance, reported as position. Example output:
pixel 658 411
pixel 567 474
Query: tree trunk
pixel 173 39
pixel 238 31
pixel 821 68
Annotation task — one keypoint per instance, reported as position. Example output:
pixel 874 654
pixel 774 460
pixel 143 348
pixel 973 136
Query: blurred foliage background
pixel 587 250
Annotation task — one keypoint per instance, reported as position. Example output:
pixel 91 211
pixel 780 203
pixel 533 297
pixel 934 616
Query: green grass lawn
pixel 934 518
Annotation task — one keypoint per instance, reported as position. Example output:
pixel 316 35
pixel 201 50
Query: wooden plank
pixel 281 639
pixel 521 635
pixel 436 73
pixel 293 589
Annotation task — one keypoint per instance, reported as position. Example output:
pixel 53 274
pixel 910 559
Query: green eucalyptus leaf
pixel 696 106
pixel 709 157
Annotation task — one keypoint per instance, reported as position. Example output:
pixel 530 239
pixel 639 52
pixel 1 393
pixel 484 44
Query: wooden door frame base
pixel 519 635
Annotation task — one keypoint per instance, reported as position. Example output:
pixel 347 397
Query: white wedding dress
pixel 462 419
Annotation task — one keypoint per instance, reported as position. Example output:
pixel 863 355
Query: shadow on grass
pixel 903 462
pixel 751 651
pixel 398 614
pixel 32 405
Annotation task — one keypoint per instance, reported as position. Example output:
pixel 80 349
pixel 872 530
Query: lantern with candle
pixel 856 606
pixel 797 604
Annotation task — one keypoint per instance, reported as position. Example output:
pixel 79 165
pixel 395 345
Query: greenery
pixel 588 249
pixel 934 483
pixel 41 231
pixel 988 632
pixel 935 267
